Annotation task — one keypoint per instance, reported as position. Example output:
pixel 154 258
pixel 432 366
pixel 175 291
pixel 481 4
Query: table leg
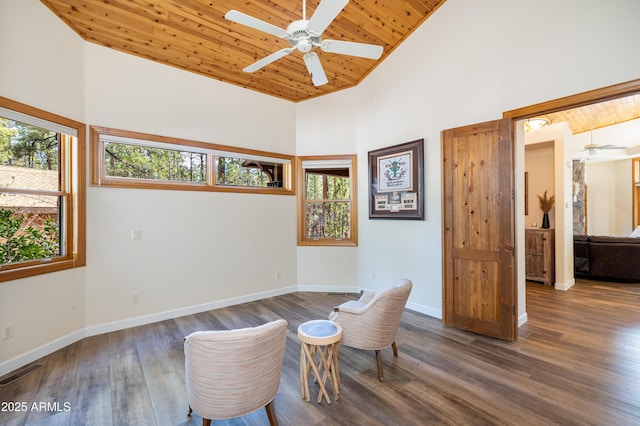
pixel 304 374
pixel 335 378
pixel 314 367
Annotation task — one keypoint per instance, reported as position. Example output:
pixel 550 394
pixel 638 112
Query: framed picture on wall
pixel 396 180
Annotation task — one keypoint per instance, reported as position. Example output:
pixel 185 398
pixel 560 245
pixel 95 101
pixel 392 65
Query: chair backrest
pixel 378 325
pixel 230 373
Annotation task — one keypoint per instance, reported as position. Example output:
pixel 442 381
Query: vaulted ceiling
pixel 195 36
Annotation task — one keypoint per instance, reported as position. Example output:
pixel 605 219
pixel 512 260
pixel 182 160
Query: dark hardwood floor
pixel 576 362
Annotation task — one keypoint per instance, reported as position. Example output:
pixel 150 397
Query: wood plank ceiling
pixel 194 35
pixel 594 116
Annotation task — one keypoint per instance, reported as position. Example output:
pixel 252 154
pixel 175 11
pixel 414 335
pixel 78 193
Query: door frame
pixel 572 101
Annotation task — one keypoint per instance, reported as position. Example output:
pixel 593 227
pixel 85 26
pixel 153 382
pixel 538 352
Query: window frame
pixel 302 200
pixel 72 175
pixel 98 177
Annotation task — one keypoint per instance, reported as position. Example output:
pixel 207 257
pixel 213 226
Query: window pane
pixel 315 187
pixel 328 219
pixel 252 173
pixel 337 188
pixel 29 157
pixel 29 227
pixel 152 163
pixel 322 186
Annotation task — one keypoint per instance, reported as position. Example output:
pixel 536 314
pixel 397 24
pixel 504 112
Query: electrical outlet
pixel 135 298
pixel 7 331
pixel 135 234
pixel 277 274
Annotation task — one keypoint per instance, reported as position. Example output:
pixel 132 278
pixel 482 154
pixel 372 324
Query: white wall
pixel 609 198
pixel 195 247
pixel 198 250
pixel 548 160
pixel 469 63
pixel 41 67
pixel 326 130
pixel 539 161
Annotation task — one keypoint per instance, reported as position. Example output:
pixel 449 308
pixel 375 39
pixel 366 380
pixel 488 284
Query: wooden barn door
pixel 479 280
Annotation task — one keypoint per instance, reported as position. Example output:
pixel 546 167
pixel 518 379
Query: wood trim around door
pixel 585 98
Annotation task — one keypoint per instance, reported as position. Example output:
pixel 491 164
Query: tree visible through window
pixel 327 212
pixel 42 184
pixel 233 171
pixel 127 159
pixel 30 224
pixel 328 205
pixel 146 162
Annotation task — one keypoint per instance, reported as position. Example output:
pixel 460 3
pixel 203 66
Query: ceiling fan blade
pixel 593 146
pixel 362 50
pixel 612 147
pixel 312 61
pixel 324 14
pixel 268 59
pixel 250 21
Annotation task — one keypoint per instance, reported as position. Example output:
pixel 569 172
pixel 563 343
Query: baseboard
pixel 189 310
pixel 565 286
pixel 37 353
pixel 46 349
pixel 328 289
pixel 522 319
pixel 427 310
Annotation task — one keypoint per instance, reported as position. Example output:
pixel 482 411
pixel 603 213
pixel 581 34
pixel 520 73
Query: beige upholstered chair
pixel 230 373
pixel 371 323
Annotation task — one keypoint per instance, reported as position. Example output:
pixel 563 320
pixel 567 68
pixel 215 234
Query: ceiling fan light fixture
pixel 304 46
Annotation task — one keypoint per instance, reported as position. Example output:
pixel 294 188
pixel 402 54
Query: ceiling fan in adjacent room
pixel 593 148
pixel 305 35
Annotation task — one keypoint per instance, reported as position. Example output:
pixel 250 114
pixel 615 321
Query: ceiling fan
pixel 592 148
pixel 304 35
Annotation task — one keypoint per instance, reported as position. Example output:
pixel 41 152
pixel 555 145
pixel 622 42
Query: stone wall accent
pixel 578 192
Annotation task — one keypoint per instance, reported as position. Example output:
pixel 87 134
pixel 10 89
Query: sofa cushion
pixel 613 240
pixel 581 255
pixel 614 259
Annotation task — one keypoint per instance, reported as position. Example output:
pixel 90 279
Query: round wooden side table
pixel 319 341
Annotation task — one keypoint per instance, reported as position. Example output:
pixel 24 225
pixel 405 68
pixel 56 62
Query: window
pixel 327 209
pixel 136 160
pixel 233 171
pixel 42 179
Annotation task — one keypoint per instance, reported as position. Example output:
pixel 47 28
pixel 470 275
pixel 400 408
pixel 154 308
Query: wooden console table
pixel 540 255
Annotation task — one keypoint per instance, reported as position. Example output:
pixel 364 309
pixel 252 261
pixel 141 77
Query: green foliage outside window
pixel 23 145
pixel 238 172
pixel 19 243
pixel 26 235
pixel 328 206
pixel 144 162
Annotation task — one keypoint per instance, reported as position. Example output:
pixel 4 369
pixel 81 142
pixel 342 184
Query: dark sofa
pixel 607 258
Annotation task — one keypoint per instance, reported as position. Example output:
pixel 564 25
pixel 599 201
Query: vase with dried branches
pixel 546 204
